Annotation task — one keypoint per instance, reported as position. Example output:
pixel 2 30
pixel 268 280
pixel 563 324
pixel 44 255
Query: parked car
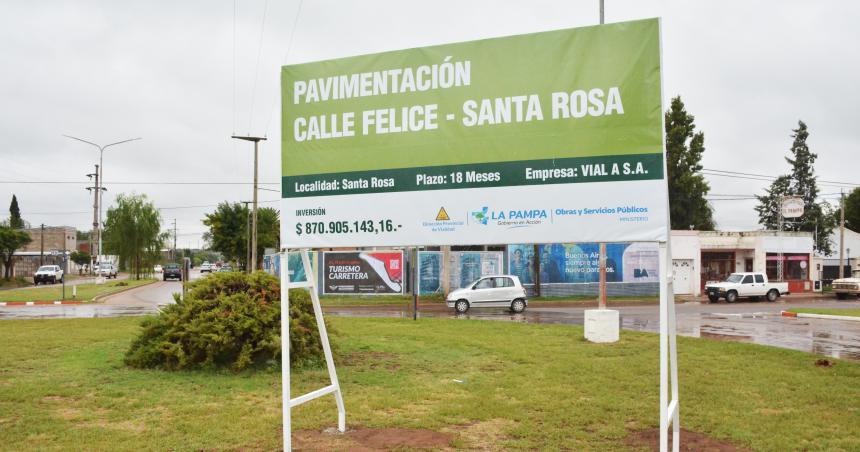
pixel 225 269
pixel 847 287
pixel 107 271
pixel 497 291
pixel 158 268
pixel 206 267
pixel 172 271
pixel 48 274
pixel 746 285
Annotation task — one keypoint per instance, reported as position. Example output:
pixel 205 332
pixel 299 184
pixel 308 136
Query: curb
pixel 100 298
pixel 819 316
pixel 37 303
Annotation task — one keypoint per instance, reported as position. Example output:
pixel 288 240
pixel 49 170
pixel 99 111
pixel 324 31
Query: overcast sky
pixel 106 71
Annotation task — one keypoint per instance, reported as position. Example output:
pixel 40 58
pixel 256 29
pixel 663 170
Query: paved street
pixel 755 322
pixel 69 282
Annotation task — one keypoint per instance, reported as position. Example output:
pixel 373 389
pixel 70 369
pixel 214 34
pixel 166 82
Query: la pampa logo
pixel 511 217
pixel 481 215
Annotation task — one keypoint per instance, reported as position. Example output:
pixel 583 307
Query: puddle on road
pixel 73 312
pixel 832 338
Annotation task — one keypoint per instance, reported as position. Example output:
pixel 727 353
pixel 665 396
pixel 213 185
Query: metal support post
pixel 669 408
pixel 310 284
pixel 601 291
pixel 415 283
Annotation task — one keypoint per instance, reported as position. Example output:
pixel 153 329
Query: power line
pixel 60 182
pixel 257 67
pixel 754 176
pixel 272 110
pixel 157 208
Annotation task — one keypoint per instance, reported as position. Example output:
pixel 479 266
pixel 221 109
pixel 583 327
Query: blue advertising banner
pixel 577 263
pixel 465 267
pixel 272 265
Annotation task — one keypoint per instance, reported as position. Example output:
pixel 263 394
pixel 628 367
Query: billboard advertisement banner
pixel 520 139
pixel 363 272
pixel 574 263
pixel 464 268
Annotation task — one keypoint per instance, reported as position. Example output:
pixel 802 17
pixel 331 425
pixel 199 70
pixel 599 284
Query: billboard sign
pixel 520 139
pixel 576 263
pixel 363 272
pixel 465 267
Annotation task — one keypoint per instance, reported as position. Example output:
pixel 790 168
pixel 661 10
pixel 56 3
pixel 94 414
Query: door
pixel 506 290
pixel 482 291
pixel 748 265
pixel 747 287
pixel 682 276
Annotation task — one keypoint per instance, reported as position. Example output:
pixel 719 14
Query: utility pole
pixel 841 234
pixel 256 141
pixel 174 239
pixel 779 264
pixel 95 190
pixel 247 239
pixel 42 249
pixel 100 189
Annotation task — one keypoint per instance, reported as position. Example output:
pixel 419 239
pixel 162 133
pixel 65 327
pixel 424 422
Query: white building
pixel 702 256
pixel 829 264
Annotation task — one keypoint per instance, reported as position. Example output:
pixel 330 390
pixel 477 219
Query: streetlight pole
pixel 101 180
pixel 256 141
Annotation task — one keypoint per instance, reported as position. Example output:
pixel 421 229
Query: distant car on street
pixel 225 269
pixel 48 274
pixel 172 271
pixel 847 287
pixel 206 267
pixel 107 271
pixel 158 268
pixel 497 291
pixel 745 285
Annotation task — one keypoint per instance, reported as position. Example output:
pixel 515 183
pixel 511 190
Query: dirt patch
pixel 824 363
pixel 372 360
pixel 486 435
pixel 690 441
pixel 371 439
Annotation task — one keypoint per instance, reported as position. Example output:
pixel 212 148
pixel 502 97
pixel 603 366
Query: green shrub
pixel 228 320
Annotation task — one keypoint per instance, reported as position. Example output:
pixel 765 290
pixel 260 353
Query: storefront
pixel 699 257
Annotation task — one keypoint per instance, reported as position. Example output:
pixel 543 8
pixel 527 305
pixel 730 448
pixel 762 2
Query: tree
pixel 132 232
pixel 81 258
pixel 687 188
pixel 852 210
pixel 228 229
pixel 11 239
pixel 800 182
pixel 15 220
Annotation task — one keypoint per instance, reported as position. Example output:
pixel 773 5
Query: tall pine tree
pixel 15 220
pixel 687 188
pixel 801 182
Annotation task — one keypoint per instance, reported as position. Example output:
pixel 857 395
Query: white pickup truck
pixel 847 287
pixel 48 274
pixel 746 285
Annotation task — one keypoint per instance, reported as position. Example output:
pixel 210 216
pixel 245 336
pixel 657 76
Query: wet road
pixel 754 322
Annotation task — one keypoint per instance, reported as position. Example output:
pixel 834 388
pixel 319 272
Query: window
pixel 759 278
pixel 504 282
pixel 748 279
pixel 486 283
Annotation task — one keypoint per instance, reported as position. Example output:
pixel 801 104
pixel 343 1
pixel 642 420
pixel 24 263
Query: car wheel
pixel 461 306
pixel 714 298
pixel 731 297
pixel 772 295
pixel 518 306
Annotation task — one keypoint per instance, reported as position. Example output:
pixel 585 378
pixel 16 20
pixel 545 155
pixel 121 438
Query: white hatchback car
pixel 496 291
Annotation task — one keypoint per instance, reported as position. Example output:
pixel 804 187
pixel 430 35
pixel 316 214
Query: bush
pixel 228 320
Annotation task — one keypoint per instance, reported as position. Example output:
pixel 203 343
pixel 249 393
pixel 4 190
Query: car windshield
pixel 46 268
pixel 735 278
pixel 172 265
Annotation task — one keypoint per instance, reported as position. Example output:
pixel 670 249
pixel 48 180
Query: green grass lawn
pixel 524 386
pixel 86 292
pixel 848 312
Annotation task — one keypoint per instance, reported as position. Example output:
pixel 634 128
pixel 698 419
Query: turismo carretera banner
pixel 574 263
pixel 532 138
pixel 363 272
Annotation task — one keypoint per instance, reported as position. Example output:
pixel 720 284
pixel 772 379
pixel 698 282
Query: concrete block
pixel 602 325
